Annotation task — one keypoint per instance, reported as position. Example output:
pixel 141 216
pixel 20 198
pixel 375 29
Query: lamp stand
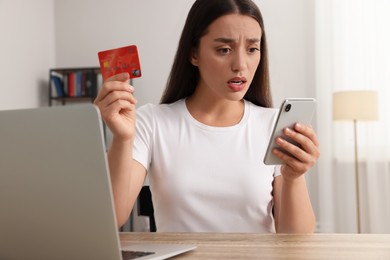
pixel 357 178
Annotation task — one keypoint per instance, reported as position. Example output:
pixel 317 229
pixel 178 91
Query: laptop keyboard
pixel 134 254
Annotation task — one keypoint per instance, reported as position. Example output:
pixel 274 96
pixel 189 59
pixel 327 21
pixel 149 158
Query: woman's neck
pixel 215 112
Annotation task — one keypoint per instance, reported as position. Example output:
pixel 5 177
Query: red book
pixel 71 84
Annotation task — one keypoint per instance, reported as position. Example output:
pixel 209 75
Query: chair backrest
pixel 145 206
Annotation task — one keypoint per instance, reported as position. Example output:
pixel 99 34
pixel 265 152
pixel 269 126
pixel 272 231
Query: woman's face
pixel 228 56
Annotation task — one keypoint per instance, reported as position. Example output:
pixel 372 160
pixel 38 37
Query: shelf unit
pixel 73 84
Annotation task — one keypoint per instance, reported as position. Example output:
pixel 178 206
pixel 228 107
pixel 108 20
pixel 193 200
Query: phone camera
pixel 287 108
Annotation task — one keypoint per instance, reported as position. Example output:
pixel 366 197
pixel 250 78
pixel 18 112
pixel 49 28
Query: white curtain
pixel 353 53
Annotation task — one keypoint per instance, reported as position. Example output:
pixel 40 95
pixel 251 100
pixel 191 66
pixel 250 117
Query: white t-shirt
pixel 205 178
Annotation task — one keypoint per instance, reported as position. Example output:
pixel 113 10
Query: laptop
pixel 55 192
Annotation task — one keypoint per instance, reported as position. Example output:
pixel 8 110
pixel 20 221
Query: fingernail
pixel 279 140
pixel 124 76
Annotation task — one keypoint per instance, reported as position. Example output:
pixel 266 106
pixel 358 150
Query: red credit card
pixel 124 59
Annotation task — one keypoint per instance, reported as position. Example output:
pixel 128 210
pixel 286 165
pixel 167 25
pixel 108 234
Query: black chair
pixel 145 206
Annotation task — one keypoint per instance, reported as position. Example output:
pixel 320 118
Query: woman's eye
pixel 224 50
pixel 253 50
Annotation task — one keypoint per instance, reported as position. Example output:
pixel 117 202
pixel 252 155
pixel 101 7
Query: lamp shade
pixel 355 105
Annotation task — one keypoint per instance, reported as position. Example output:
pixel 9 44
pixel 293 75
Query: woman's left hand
pixel 303 158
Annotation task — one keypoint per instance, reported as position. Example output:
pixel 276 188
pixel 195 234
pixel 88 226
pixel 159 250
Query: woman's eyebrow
pixel 230 40
pixel 224 40
pixel 254 40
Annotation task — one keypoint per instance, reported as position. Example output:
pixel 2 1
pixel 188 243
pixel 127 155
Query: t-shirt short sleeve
pixel 142 141
pixel 277 171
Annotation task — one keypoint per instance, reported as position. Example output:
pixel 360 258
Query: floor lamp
pixel 357 105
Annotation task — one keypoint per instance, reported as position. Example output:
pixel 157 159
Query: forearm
pixel 120 163
pixel 295 214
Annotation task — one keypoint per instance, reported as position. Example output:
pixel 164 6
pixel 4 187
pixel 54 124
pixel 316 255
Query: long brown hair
pixel 184 77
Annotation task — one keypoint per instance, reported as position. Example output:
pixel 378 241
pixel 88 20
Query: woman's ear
pixel 194 57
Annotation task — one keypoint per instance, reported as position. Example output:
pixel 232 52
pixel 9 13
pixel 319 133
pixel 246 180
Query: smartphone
pixel 292 110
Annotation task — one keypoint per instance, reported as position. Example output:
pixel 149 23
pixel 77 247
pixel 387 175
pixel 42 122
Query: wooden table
pixel 273 246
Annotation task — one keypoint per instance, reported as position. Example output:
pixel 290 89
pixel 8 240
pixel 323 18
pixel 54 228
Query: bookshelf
pixel 73 85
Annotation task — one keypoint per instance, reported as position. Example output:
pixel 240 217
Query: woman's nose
pixel 239 61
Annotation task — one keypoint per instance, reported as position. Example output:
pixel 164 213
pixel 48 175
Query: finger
pixel 292 162
pixel 119 106
pixel 118 95
pixel 107 86
pixel 115 109
pixel 124 77
pixel 307 131
pixel 307 153
pixel 292 150
pixel 305 141
pixel 112 86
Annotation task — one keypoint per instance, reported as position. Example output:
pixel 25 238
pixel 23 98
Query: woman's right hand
pixel 117 106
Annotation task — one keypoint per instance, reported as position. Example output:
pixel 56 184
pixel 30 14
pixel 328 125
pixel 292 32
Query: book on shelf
pixel 57 85
pixel 71 84
pixel 75 82
pixel 91 84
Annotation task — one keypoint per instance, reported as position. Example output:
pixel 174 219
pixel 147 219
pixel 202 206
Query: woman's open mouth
pixel 237 84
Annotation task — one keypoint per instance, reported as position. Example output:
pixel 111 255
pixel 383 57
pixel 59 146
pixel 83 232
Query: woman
pixel 203 146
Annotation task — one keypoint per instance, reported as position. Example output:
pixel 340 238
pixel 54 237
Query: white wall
pixel 26 51
pixel 290 30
